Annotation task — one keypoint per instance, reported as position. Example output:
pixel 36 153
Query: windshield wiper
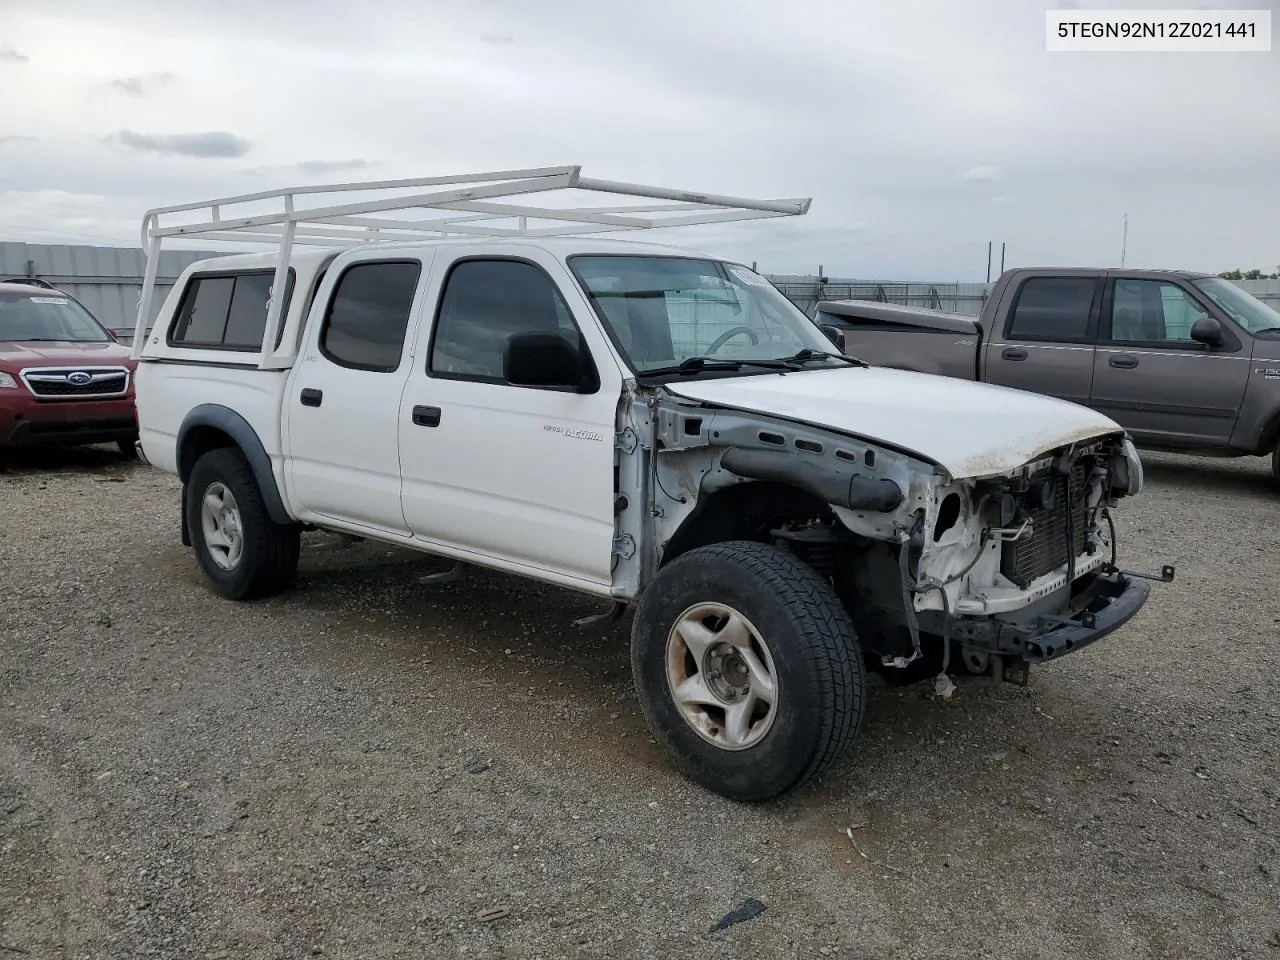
pixel 699 364
pixel 808 353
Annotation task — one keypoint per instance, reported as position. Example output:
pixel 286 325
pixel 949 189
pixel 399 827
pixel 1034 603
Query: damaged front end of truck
pixel 984 566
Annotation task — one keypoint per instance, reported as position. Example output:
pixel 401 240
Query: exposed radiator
pixel 1044 550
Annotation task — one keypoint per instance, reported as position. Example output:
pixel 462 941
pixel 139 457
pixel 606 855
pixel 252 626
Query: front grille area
pixel 1045 548
pixel 77 381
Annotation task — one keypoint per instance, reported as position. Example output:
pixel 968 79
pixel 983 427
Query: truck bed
pixel 908 338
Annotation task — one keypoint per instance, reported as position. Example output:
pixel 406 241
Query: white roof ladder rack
pixel 463 205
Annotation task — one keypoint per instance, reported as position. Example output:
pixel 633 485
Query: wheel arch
pixel 211 426
pixel 744 511
pixel 1270 435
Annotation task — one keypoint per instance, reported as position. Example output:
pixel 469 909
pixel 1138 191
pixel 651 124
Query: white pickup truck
pixel 651 425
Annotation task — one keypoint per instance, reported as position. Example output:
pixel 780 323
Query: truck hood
pixel 970 429
pixel 73 352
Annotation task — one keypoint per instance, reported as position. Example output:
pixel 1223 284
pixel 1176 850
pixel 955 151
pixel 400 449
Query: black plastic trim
pixel 73 433
pixel 425 416
pixel 188 361
pixel 1169 408
pixel 246 438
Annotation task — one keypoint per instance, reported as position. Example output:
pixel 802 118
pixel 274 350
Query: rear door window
pixel 368 315
pixel 1056 309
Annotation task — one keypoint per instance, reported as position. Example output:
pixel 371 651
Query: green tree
pixel 1254 274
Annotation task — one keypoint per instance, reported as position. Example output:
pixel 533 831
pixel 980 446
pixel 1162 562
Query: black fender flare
pixel 236 427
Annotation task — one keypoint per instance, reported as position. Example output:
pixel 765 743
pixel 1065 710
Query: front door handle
pixel 1123 360
pixel 1014 353
pixel 426 416
pixel 311 397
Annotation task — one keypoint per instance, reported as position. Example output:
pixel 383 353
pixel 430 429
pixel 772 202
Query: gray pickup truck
pixel 1184 361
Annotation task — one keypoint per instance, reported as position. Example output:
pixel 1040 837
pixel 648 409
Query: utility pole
pixel 1124 243
pixel 988 261
pixel 1002 256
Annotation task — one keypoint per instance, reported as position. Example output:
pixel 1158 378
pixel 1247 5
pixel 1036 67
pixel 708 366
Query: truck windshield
pixel 664 311
pixel 25 316
pixel 1244 308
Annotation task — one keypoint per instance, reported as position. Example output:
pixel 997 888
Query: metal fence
pixel 108 280
pixel 805 292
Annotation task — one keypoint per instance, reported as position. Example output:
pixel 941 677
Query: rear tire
pixel 1275 462
pixel 127 449
pixel 719 631
pixel 244 553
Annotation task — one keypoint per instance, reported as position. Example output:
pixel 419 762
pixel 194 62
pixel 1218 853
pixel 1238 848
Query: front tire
pixel 747 669
pixel 243 552
pixel 1275 462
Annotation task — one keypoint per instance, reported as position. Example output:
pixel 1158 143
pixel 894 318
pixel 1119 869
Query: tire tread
pixel 829 644
pixel 275 546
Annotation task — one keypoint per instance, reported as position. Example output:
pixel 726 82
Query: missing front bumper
pixel 1118 598
pixel 1005 649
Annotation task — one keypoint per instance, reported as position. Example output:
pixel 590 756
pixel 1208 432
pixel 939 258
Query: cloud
pixel 56 216
pixel 334 166
pixel 12 55
pixel 140 86
pixel 12 138
pixel 214 143
pixel 418 89
pixel 311 167
pixel 980 175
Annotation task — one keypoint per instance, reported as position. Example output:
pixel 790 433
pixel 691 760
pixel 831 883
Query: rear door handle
pixel 1123 360
pixel 311 397
pixel 426 416
pixel 1014 353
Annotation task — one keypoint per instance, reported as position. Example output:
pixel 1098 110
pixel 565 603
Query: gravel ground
pixel 360 767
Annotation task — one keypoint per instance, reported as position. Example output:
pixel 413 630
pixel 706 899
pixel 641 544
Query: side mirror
pixel 1208 331
pixel 546 360
pixel 111 334
pixel 834 334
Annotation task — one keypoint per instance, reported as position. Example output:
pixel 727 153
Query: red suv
pixel 64 380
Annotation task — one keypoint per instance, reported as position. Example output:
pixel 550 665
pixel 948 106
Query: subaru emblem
pixel 79 378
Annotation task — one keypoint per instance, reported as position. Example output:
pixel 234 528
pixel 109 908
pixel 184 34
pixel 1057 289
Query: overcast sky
pixel 920 129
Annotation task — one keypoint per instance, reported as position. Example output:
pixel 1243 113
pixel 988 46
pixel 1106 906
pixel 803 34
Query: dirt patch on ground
pixel 360 767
